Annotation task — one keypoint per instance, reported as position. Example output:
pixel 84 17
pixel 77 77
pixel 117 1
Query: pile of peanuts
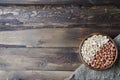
pixel 103 57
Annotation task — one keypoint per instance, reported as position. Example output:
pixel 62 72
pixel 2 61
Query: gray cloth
pixel 84 73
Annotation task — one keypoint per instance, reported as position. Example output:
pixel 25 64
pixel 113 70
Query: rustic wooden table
pixel 39 39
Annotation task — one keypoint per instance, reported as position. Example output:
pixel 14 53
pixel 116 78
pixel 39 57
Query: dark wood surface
pixel 56 37
pixel 47 59
pixel 81 2
pixel 34 75
pixel 29 17
pixel 41 42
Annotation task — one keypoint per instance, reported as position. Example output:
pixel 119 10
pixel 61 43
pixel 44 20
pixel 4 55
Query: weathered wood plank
pixel 53 37
pixel 57 16
pixel 34 75
pixel 47 59
pixel 81 2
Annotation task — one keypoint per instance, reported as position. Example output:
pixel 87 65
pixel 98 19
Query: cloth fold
pixel 113 73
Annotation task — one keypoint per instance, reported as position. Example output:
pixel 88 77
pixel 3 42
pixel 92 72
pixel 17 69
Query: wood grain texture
pixel 41 42
pixel 47 59
pixel 53 37
pixel 34 75
pixel 81 2
pixel 18 17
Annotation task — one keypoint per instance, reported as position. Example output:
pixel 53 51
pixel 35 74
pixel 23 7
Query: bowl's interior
pixel 81 57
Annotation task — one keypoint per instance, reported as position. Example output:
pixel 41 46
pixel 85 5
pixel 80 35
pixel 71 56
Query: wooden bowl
pixel 81 57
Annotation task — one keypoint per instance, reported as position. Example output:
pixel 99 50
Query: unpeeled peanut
pixel 104 57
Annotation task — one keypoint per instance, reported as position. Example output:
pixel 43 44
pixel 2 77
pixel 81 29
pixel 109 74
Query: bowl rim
pixel 81 57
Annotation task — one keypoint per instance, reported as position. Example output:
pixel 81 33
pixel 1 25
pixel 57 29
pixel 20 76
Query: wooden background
pixel 39 39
